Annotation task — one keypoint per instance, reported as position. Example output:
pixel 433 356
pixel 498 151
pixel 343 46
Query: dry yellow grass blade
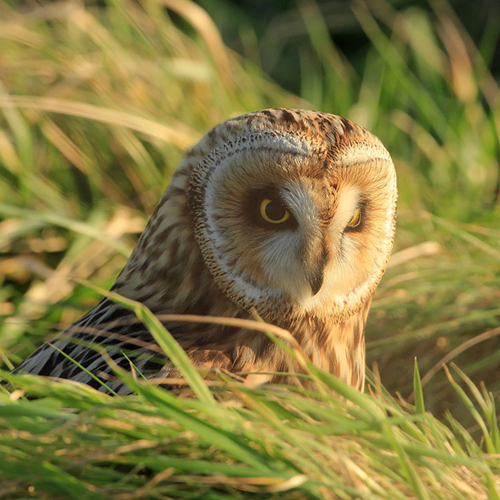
pixel 209 32
pixel 179 135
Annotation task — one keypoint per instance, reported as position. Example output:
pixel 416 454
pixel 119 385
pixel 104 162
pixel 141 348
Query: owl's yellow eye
pixel 273 212
pixel 356 219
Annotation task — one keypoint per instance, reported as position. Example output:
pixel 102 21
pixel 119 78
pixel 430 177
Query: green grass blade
pixel 417 390
pixel 165 340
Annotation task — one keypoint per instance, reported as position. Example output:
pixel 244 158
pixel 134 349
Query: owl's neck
pixel 338 348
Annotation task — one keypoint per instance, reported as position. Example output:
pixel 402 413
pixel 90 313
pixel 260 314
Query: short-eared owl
pixel 289 213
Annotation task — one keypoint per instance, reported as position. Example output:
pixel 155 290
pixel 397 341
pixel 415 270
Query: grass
pixel 239 442
pixel 98 105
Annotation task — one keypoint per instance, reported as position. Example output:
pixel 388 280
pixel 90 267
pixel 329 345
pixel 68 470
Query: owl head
pixel 293 210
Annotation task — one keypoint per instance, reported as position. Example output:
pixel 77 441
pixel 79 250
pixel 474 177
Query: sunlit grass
pixel 98 106
pixel 288 442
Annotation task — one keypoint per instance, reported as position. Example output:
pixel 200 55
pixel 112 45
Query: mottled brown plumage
pixel 289 213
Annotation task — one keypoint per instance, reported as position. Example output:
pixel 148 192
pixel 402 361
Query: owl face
pixel 298 216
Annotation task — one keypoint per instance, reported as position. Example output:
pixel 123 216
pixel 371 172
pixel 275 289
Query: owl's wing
pixel 110 331
pixel 108 327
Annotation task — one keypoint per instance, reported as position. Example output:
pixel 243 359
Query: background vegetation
pixel 98 103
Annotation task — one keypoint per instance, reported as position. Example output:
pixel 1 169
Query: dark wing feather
pixel 108 327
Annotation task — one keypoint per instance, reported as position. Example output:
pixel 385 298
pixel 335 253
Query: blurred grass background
pixel 100 100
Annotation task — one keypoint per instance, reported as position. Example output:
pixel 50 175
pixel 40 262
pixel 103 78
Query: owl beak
pixel 316 275
pixel 316 282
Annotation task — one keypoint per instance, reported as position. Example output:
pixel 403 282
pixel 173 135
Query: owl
pixel 286 213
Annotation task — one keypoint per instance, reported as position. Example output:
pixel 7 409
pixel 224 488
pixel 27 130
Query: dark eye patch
pixel 275 210
pixel 363 211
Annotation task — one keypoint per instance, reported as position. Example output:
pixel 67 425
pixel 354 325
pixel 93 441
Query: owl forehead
pixel 327 140
pixel 321 127
pixel 264 156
